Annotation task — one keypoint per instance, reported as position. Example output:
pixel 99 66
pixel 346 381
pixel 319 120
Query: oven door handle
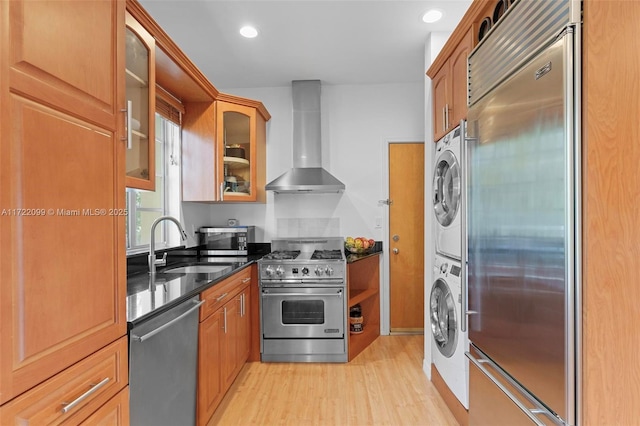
pixel 284 282
pixel 338 293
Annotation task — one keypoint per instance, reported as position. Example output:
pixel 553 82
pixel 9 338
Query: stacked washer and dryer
pixel 450 342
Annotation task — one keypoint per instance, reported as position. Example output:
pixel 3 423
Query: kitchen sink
pixel 198 269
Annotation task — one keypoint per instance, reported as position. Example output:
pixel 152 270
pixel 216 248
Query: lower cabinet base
pixel 74 394
pixel 457 409
pixel 114 412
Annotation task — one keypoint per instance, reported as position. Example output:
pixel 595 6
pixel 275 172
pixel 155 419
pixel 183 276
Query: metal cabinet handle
pixel 222 191
pixel 242 305
pixel 396 251
pixel 246 280
pixel 162 327
pixel 444 119
pixel 224 324
pixel 339 294
pixel 221 297
pixel 446 115
pixel 68 406
pixel 463 234
pixel 531 413
pixel 129 126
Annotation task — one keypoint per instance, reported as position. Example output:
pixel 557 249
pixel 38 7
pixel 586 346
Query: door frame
pixel 385 290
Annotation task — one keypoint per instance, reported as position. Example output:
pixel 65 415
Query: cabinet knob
pixel 396 251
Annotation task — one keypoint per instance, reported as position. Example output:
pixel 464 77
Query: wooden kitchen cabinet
pixel 210 389
pixel 224 340
pixel 363 287
pixel 449 88
pixel 140 106
pixel 236 342
pixel 63 286
pixel 114 412
pixel 241 146
pixel 224 150
pixel 80 390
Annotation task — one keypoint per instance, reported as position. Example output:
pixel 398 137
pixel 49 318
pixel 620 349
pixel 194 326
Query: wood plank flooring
pixel 384 385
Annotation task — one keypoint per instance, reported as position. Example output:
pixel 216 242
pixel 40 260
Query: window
pixel 144 207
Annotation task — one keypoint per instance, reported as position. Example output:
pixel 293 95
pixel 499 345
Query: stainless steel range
pixel 303 301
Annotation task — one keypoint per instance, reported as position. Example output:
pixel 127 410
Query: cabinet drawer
pixel 222 292
pixel 114 413
pixel 80 390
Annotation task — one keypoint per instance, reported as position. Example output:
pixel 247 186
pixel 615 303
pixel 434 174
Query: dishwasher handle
pixel 163 326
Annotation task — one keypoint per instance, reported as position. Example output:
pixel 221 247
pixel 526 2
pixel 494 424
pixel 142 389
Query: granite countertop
pixel 354 257
pixel 170 289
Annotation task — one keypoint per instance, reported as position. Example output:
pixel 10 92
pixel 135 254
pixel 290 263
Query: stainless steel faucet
pixel 152 251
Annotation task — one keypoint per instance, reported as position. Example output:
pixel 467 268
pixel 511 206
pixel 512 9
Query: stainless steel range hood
pixel 307 174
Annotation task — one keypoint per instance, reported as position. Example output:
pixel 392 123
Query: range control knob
pixel 328 271
pixel 305 271
pixel 443 268
pixel 319 271
pixel 268 271
pixel 280 271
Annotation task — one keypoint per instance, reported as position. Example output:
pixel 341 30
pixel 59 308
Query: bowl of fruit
pixel 359 245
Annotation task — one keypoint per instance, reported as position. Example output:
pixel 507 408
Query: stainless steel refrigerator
pixel 522 218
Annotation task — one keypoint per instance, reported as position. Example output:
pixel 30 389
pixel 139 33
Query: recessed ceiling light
pixel 248 31
pixel 432 16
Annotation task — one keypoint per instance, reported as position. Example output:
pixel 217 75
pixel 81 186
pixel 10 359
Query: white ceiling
pixel 338 42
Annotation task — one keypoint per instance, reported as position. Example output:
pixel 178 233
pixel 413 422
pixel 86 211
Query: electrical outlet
pixel 378 222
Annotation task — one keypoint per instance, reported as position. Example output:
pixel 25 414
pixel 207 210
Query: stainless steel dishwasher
pixel 163 364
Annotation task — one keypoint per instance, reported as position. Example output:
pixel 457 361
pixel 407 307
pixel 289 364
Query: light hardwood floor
pixel 384 385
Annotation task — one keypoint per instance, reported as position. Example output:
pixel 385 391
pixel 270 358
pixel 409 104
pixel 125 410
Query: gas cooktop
pixel 304 259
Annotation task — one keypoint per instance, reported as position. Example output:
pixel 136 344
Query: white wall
pixel 357 121
pixel 433 45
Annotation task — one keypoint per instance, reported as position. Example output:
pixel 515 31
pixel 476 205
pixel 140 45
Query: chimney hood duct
pixel 307 174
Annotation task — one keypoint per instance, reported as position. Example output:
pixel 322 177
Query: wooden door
pixel 231 313
pixel 210 386
pixel 114 413
pixel 141 98
pixel 440 87
pixel 406 236
pixel 244 328
pixel 459 83
pixel 63 285
pixel 236 127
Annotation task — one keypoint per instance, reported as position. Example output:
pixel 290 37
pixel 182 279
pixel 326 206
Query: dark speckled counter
pixel 146 299
pixel 353 257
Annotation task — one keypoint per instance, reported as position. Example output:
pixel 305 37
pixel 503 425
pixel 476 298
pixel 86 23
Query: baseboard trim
pixel 457 409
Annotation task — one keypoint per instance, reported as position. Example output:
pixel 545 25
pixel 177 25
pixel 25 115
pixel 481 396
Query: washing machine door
pixel 444 326
pixel 446 188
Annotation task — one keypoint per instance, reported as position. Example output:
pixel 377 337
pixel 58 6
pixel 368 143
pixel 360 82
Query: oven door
pixel 307 312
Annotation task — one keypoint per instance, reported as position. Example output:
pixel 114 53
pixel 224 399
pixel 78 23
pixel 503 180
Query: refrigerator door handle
pixel 529 412
pixel 464 302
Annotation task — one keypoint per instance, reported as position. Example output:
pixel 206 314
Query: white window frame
pixel 162 230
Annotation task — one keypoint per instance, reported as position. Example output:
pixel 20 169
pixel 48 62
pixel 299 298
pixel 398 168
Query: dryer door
pixel 444 327
pixel 446 188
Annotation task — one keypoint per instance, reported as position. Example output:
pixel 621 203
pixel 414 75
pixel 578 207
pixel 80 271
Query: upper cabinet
pixel 140 108
pixel 449 88
pixel 223 136
pixel 241 147
pixel 224 150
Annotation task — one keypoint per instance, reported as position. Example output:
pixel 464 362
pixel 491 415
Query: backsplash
pixel 307 227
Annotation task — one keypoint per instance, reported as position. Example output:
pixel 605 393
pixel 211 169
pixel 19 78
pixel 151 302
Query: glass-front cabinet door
pixel 236 136
pixel 140 108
